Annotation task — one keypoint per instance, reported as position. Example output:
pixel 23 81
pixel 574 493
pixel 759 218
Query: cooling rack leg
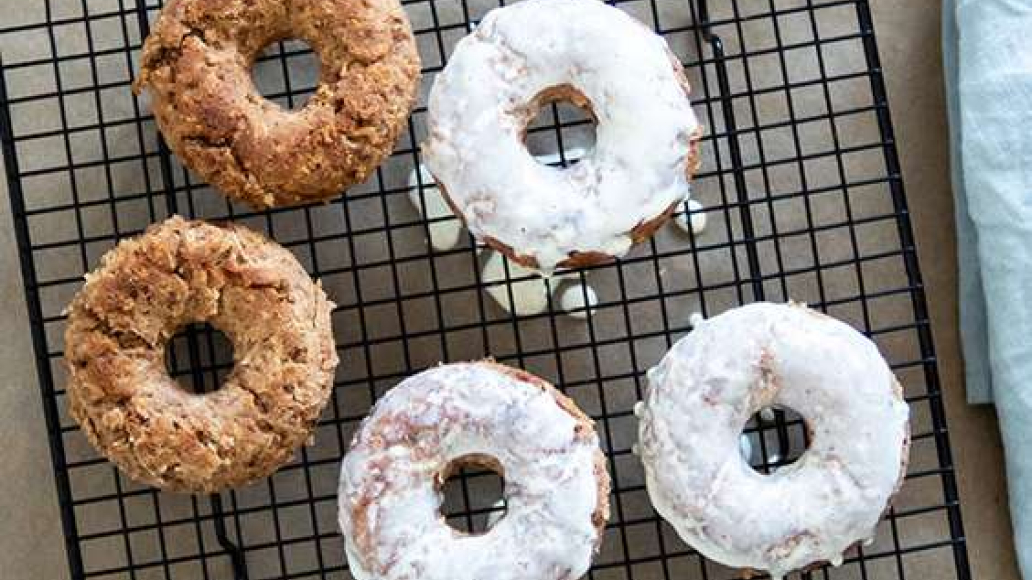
pixel 236 556
pixel 734 148
pixel 906 236
pixel 39 340
pixel 164 155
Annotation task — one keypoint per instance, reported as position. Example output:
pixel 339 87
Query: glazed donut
pixel 485 414
pixel 708 386
pixel 251 289
pixel 524 56
pixel 197 62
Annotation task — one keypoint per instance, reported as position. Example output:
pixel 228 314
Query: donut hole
pixel 777 437
pixel 472 491
pixel 199 357
pixel 560 129
pixel 286 72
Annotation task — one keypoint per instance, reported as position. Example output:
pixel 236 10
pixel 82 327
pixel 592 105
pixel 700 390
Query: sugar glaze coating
pixel 528 54
pixel 556 486
pixel 708 386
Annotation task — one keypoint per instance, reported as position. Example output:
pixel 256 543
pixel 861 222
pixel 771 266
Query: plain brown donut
pixel 251 289
pixel 196 63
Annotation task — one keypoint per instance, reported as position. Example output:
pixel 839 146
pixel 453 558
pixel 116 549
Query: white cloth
pixel 987 45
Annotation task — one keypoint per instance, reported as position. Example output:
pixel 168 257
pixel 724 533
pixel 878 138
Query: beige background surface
pixel 908 34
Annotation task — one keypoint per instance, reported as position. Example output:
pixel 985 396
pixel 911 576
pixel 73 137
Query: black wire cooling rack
pixel 800 185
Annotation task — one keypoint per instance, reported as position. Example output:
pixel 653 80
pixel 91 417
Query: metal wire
pixel 800 185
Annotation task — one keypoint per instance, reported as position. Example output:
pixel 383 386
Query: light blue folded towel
pixel 987 47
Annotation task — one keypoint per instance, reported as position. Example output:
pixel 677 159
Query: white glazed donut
pixel 486 414
pixel 704 391
pixel 538 51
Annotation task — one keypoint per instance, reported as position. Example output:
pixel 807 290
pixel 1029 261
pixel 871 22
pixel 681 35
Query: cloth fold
pixel 987 50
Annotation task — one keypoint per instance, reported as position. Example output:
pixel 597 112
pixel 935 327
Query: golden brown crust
pixel 250 288
pixel 640 232
pixel 196 63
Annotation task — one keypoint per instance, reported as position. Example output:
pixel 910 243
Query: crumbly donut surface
pixel 484 414
pixel 704 391
pixel 196 64
pixel 254 291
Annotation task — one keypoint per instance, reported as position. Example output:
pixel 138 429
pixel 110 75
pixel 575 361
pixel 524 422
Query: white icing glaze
pixel 745 447
pixel 496 514
pixel 691 219
pixel 478 108
pixel 527 293
pixel 522 298
pixel 695 319
pixel 704 391
pixel 577 300
pixel 446 233
pixel 445 413
pixel 767 414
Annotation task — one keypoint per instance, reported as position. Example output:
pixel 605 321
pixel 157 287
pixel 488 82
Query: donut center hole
pixel 774 438
pixel 199 357
pixel 286 72
pixel 472 493
pixel 560 130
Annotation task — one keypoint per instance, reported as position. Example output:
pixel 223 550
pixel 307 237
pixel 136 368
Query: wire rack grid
pixel 800 184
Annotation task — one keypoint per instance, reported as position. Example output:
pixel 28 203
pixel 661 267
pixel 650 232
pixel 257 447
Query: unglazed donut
pixel 486 414
pixel 538 51
pixel 197 61
pixel 708 386
pixel 248 287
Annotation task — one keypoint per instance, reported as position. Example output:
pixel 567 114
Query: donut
pixel 524 56
pixel 488 415
pixel 711 382
pixel 254 291
pixel 196 63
